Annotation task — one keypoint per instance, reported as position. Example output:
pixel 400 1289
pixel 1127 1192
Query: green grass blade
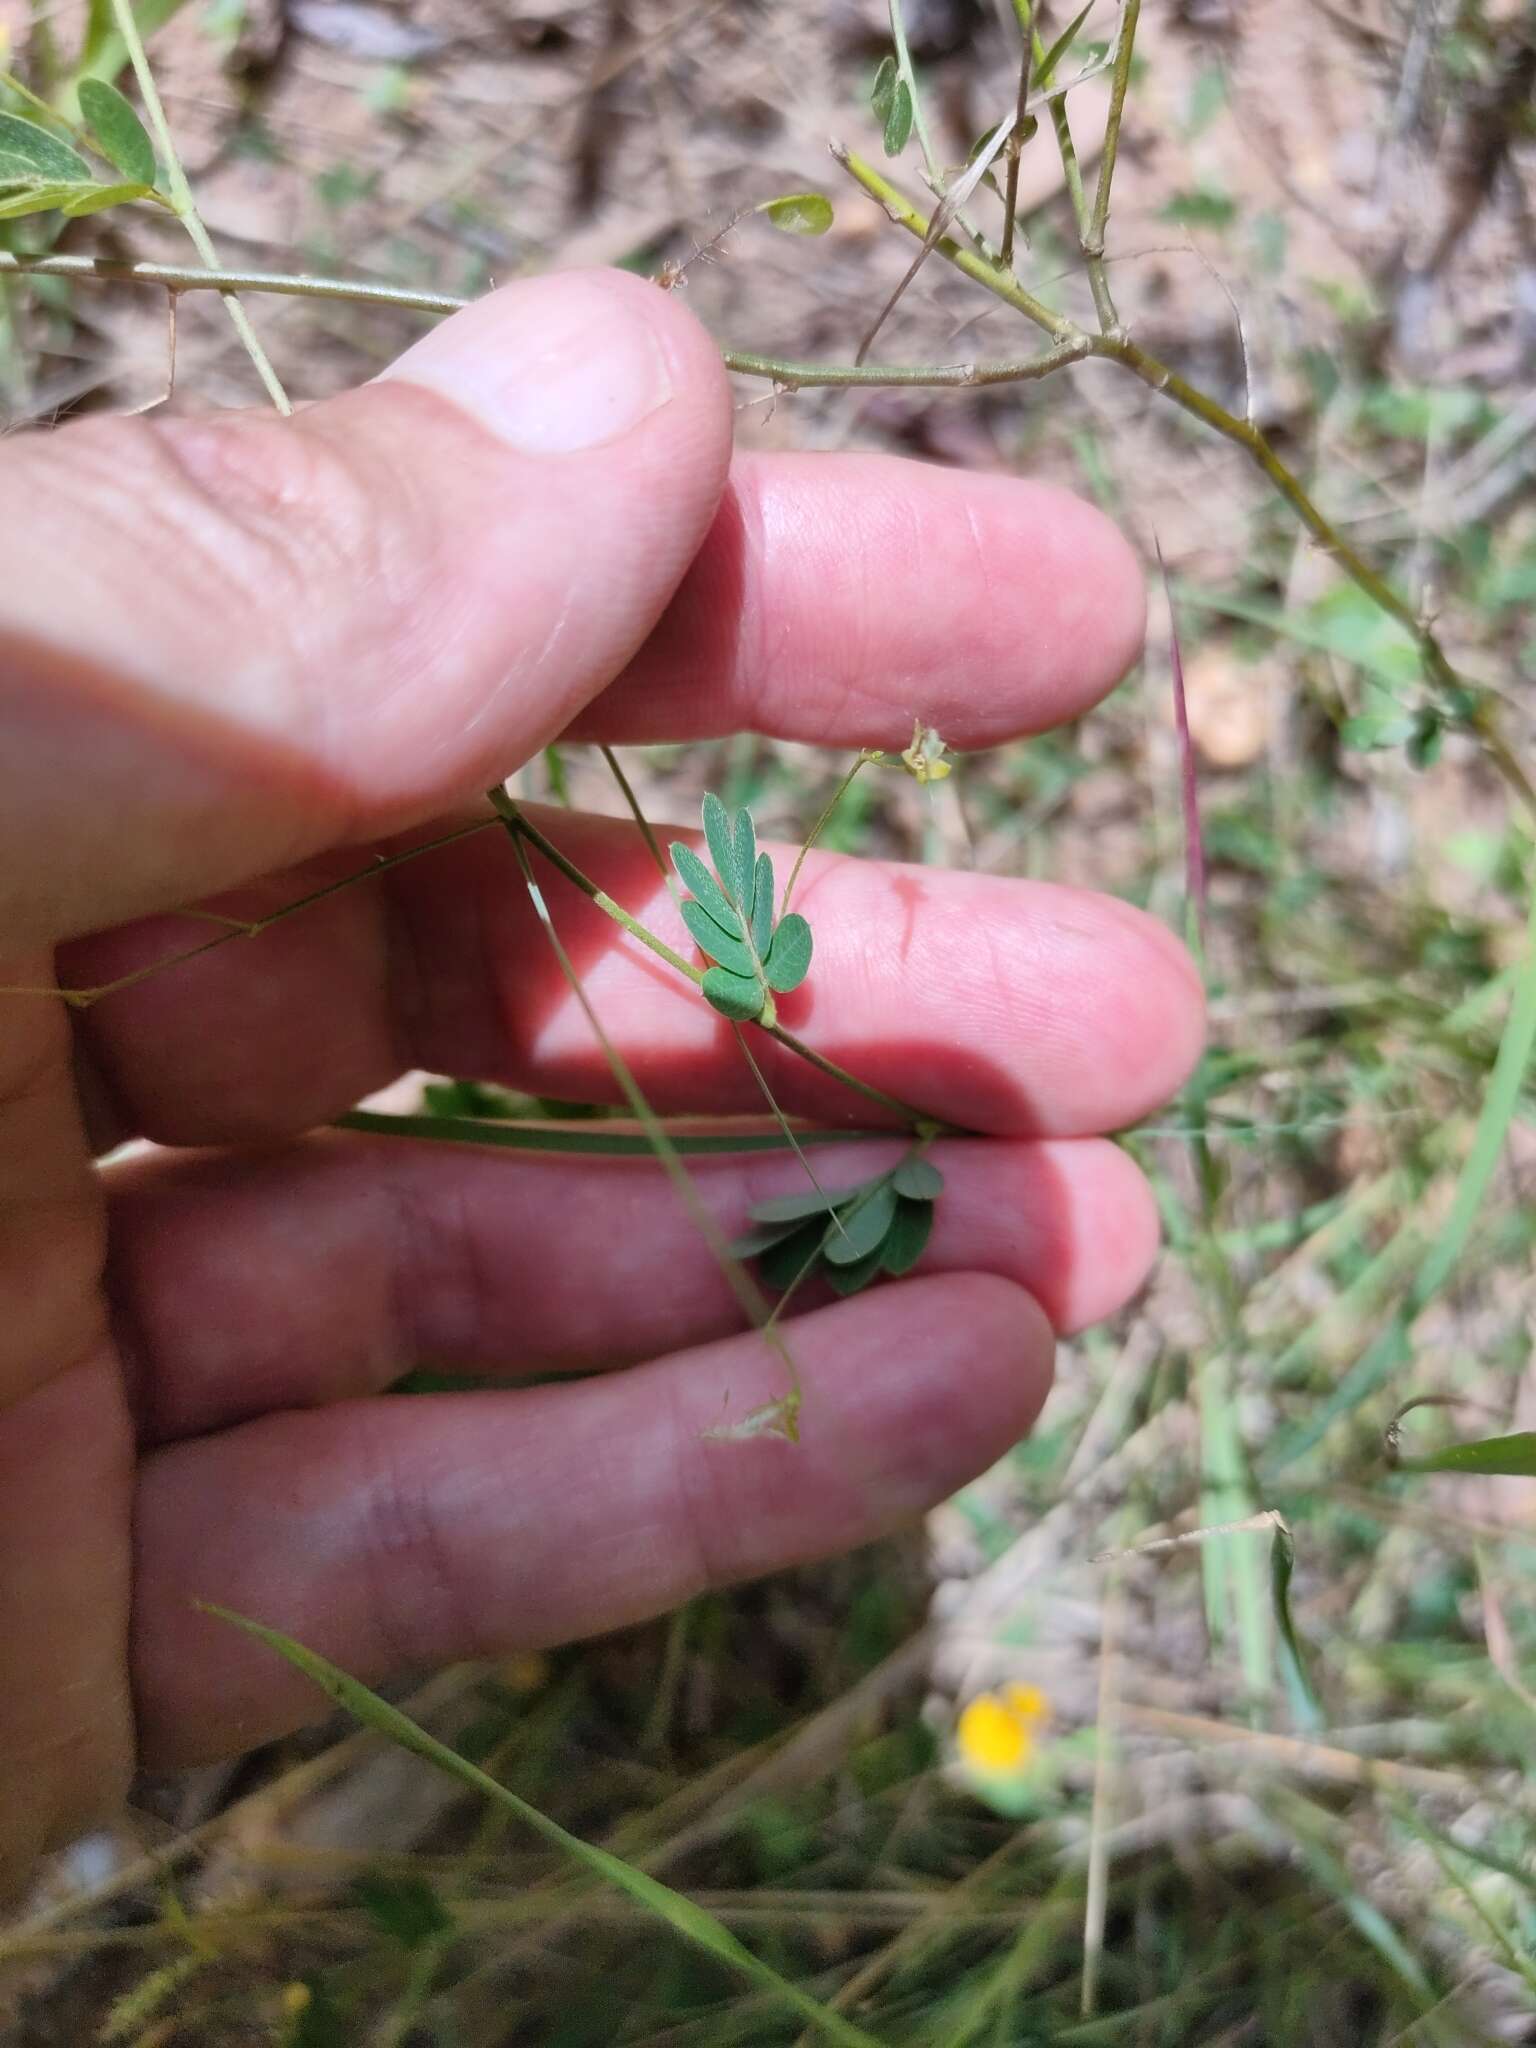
pixel 678 1913
pixel 1306 1709
pixel 1513 1455
pixel 594 1141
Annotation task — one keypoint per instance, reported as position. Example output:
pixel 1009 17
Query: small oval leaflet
pixel 799 213
pixel 920 1179
pixel 789 957
pixel 27 151
pixel 863 1226
pixel 118 131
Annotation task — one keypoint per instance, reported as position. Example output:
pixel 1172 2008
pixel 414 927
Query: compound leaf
pixel 789 957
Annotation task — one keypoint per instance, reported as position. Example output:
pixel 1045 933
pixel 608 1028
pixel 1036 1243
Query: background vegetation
pixel 984 1787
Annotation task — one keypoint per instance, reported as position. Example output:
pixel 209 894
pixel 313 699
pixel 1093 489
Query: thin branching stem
pixel 1016 139
pixel 908 77
pixel 1120 78
pixel 186 205
pixel 518 823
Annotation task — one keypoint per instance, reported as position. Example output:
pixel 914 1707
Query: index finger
pixel 839 597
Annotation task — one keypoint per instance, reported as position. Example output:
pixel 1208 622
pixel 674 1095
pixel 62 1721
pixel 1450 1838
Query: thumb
pixel 228 642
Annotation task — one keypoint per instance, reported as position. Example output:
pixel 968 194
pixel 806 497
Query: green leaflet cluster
pixel 41 173
pixel 852 1235
pixel 730 914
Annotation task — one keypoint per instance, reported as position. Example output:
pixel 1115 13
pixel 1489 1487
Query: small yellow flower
pixel 998 1733
pixel 297 1998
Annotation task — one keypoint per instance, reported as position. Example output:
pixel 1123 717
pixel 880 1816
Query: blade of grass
pixel 670 1907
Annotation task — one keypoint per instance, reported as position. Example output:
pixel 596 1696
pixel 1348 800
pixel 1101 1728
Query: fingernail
pixel 553 366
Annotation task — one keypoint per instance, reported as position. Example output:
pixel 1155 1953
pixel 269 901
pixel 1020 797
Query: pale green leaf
pixel 799 213
pixel 789 957
pixel 37 153
pixel 762 907
pixel 762 1237
pixel 720 837
pixel 39 197
pixel 883 91
pixel 920 1179
pixel 100 197
pixel 743 875
pixel 721 947
pixel 1045 69
pixel 898 122
pixel 695 876
pixel 659 1900
pixel 118 130
pixel 864 1225
pixel 733 995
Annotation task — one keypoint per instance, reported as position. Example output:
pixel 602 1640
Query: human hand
pixel 234 651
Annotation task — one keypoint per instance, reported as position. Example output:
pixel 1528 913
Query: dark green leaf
pixel 919 1178
pixel 405 1908
pixel 720 946
pixel 733 995
pixel 118 129
pixel 762 907
pixel 805 1202
pixel 721 838
pixel 706 889
pixel 782 1264
pixel 849 1279
pixel 39 197
pixel 1515 1455
pixel 864 1224
pixel 799 213
pixel 33 151
pixel 1427 739
pixel 1045 69
pixel 100 197
pixel 898 122
pixel 907 1239
pixel 744 861
pixel 789 957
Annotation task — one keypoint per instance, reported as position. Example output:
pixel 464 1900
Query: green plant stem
pixel 520 826
pixel 1015 150
pixel 1072 172
pixel 997 280
pixel 821 823
pixel 638 815
pixel 188 277
pixel 1093 247
pixel 594 1140
pixel 186 205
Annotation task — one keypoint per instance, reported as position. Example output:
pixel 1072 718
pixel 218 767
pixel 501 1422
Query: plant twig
pixel 186 205
pixel 1024 8
pixel 1120 78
